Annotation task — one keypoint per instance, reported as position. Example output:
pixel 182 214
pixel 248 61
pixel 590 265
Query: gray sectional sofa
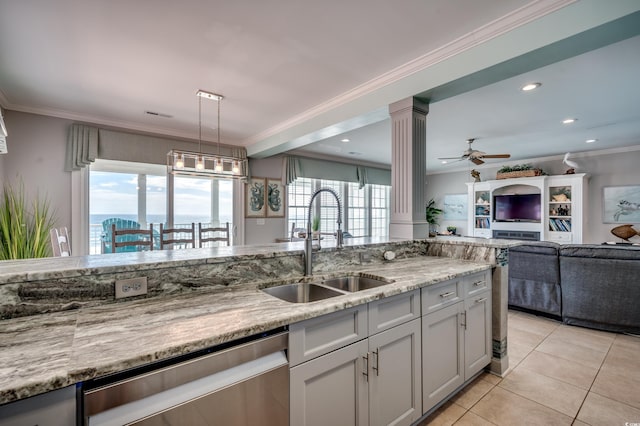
pixel 596 286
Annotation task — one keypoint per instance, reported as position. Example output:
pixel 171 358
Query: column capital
pixel 409 103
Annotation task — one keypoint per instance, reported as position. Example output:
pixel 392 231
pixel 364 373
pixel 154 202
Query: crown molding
pixel 527 13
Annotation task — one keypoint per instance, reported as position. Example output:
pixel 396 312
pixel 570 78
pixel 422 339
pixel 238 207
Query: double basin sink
pixel 325 289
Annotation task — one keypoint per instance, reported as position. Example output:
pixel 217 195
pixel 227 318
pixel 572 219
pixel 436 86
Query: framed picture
pixel 621 204
pixel 455 207
pixel 255 198
pixel 275 202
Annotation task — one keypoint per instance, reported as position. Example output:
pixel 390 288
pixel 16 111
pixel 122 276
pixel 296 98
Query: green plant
pixel 315 224
pixel 515 168
pixel 24 232
pixel 432 212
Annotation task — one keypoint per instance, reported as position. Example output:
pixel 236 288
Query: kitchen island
pixel 197 299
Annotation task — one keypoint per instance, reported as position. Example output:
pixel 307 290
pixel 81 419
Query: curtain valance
pixel 82 147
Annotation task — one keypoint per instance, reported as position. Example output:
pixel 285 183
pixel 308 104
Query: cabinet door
pixel 442 354
pixel 331 389
pixel 477 339
pixel 395 367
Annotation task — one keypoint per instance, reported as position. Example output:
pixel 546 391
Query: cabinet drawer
pixel 477 283
pixel 560 237
pixel 318 336
pixel 439 295
pixel 391 311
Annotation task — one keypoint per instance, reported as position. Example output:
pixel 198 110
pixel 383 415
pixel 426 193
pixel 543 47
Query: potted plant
pixel 24 230
pixel 518 170
pixel 431 215
pixel 452 230
pixel 315 226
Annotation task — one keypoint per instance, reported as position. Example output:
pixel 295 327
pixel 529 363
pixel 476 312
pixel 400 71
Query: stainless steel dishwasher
pixel 246 384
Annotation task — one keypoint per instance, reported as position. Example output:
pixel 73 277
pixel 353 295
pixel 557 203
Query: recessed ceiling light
pixel 569 120
pixel 443 162
pixel 345 140
pixel 530 86
pixel 591 140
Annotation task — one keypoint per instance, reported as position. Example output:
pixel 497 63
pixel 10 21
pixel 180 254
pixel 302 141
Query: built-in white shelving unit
pixel 562 201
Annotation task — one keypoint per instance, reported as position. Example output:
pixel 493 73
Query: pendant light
pixel 201 164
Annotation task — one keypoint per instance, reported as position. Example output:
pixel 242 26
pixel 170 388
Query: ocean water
pixel 97 219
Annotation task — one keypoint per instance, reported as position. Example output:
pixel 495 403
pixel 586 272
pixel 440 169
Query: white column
pixel 408 169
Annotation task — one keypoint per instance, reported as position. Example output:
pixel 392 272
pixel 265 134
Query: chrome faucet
pixel 308 243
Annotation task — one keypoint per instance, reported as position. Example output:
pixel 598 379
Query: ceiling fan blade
pixel 497 156
pixel 451 158
pixel 476 161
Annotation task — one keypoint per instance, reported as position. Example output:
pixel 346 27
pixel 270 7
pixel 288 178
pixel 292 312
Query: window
pixel 138 192
pixel 365 211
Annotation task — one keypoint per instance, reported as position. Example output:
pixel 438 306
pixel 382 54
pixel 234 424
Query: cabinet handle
pixel 463 321
pixel 365 358
pixel 447 294
pixel 377 364
pixel 482 299
pixel 478 283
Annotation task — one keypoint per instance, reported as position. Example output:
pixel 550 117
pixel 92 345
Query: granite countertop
pixel 45 352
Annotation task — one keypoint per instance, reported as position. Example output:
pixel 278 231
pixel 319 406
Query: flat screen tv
pixel 517 208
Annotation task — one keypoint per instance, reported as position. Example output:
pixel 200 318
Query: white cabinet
pixel 374 381
pixel 331 389
pixel 394 375
pixel 456 337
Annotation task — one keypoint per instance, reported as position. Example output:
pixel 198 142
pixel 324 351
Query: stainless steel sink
pixel 301 292
pixel 355 283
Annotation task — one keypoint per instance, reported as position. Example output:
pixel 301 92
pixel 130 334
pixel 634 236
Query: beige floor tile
pixel 471 419
pixel 600 411
pixel 623 358
pixel 579 423
pixel 491 378
pixel 537 325
pixel 544 390
pixel 631 342
pixel 618 384
pixel 576 353
pixel 446 415
pixel 525 338
pixel 517 353
pixel 561 369
pixel 502 407
pixel 593 339
pixel 472 393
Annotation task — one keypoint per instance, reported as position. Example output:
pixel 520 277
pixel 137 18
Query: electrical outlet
pixel 131 287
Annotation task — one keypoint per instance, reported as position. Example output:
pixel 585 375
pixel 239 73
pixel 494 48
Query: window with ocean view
pixel 137 193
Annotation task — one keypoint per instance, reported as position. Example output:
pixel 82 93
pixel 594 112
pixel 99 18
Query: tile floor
pixel 559 375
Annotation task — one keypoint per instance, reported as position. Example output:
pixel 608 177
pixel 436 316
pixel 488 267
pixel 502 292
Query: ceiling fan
pixel 474 155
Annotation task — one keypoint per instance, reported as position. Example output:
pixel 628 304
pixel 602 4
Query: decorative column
pixel 408 169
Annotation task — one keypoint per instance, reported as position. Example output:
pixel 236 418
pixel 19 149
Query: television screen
pixel 517 208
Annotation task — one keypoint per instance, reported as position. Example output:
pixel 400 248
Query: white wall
pixel 36 149
pixel 603 169
pixel 265 230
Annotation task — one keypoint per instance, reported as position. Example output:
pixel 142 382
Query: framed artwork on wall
pixel 276 196
pixel 455 207
pixel 255 198
pixel 621 204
